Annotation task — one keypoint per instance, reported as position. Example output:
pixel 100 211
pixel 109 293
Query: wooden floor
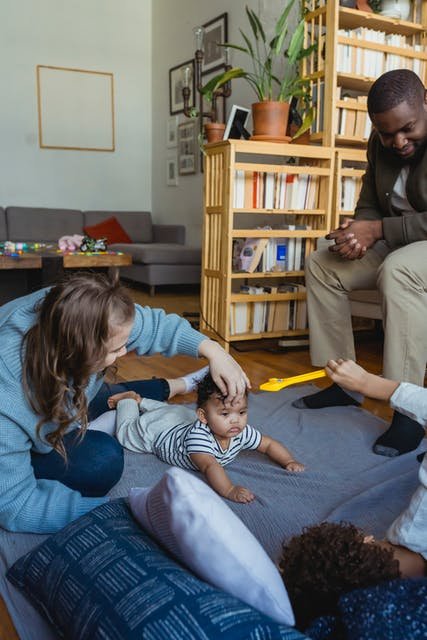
pixel 260 361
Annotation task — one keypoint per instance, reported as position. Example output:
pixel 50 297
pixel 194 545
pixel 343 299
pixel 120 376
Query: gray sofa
pixel 159 253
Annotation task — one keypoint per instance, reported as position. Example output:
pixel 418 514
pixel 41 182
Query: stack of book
pixel 265 316
pixel 275 190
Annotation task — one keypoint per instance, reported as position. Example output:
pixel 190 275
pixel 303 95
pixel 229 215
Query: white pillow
pixel 187 517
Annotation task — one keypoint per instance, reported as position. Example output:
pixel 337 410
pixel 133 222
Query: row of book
pixel 269 254
pixel 353 121
pixel 350 189
pixel 372 63
pixel 277 315
pixel 275 190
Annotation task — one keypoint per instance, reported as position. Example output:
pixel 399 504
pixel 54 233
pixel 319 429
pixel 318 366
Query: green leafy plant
pixel 267 58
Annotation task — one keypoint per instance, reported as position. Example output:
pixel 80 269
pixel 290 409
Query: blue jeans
pixel 95 461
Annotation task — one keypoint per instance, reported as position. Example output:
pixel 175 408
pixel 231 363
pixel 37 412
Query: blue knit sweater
pixel 44 506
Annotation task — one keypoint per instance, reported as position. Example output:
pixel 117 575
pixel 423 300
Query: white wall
pixel 101 35
pixel 173 43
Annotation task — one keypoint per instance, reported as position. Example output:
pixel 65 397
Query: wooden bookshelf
pixel 341 32
pixel 350 166
pixel 309 169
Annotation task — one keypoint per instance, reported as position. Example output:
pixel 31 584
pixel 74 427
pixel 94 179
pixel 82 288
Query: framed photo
pixel 215 32
pixel 176 100
pixel 171 170
pixel 172 132
pixel 75 109
pixel 221 105
pixel 236 123
pixel 187 147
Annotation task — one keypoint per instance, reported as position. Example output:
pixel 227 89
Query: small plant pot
pixel 214 131
pixel 270 121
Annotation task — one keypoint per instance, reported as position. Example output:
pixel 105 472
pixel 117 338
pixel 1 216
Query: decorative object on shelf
pixel 349 4
pixel 209 55
pixel 274 93
pixel 187 148
pixel 177 80
pixel 363 5
pixel 375 5
pixel 236 124
pixel 396 9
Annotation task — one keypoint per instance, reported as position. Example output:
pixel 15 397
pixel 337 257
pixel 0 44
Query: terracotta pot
pixel 270 121
pixel 214 131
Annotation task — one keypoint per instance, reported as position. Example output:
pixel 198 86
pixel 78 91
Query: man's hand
pixel 354 237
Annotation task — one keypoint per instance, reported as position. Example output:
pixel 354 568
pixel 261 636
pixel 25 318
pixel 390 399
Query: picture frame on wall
pixel 171 170
pixel 221 100
pixel 215 32
pixel 187 148
pixel 176 100
pixel 172 132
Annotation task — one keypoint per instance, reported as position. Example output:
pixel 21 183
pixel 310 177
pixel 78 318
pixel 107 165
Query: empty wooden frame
pixel 75 109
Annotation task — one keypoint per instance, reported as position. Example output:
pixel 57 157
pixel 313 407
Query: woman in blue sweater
pixel 56 347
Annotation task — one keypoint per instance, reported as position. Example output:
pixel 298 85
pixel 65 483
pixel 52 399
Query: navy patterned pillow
pixel 103 577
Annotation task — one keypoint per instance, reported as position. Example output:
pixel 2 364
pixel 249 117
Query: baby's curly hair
pixel 328 560
pixel 206 388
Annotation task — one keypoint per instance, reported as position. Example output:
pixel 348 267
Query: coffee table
pixel 43 268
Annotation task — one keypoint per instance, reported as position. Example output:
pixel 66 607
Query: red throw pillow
pixel 111 229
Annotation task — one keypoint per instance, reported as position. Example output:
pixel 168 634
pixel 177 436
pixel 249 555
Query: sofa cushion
pixel 3 229
pixel 103 577
pixel 40 224
pixel 110 229
pixel 160 253
pixel 193 522
pixel 137 224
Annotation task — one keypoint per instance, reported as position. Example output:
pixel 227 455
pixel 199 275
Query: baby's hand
pixel 132 395
pixel 240 494
pixel 295 466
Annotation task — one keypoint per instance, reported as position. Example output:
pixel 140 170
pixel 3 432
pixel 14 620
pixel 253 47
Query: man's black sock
pixel 403 435
pixel 332 396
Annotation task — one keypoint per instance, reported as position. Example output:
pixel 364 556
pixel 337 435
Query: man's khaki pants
pixel 401 278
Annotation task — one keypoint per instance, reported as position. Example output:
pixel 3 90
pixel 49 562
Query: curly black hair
pixel 206 388
pixel 328 560
pixel 393 88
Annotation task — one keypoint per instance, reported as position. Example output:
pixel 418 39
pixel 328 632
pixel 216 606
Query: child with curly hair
pixel 207 444
pixel 328 560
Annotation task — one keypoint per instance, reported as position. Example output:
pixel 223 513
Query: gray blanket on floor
pixel 343 480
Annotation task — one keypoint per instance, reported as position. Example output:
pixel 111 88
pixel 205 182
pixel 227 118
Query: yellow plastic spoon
pixel 275 384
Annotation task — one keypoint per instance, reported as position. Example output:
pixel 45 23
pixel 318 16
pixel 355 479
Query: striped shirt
pixel 175 445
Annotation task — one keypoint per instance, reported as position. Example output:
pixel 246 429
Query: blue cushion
pixel 103 577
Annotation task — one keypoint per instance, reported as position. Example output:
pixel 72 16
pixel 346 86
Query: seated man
pixel 384 247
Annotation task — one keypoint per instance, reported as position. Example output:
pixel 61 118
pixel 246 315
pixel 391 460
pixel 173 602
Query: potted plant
pixel 214 130
pixel 270 113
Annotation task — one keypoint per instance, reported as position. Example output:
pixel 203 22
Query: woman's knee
pixel 107 462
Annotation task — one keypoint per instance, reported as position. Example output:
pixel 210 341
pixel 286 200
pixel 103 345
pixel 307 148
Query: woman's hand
pixel 225 371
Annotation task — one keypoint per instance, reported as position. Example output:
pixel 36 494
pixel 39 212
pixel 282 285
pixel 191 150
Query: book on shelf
pixel 239 318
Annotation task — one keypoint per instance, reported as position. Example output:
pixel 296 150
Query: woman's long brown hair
pixel 67 345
